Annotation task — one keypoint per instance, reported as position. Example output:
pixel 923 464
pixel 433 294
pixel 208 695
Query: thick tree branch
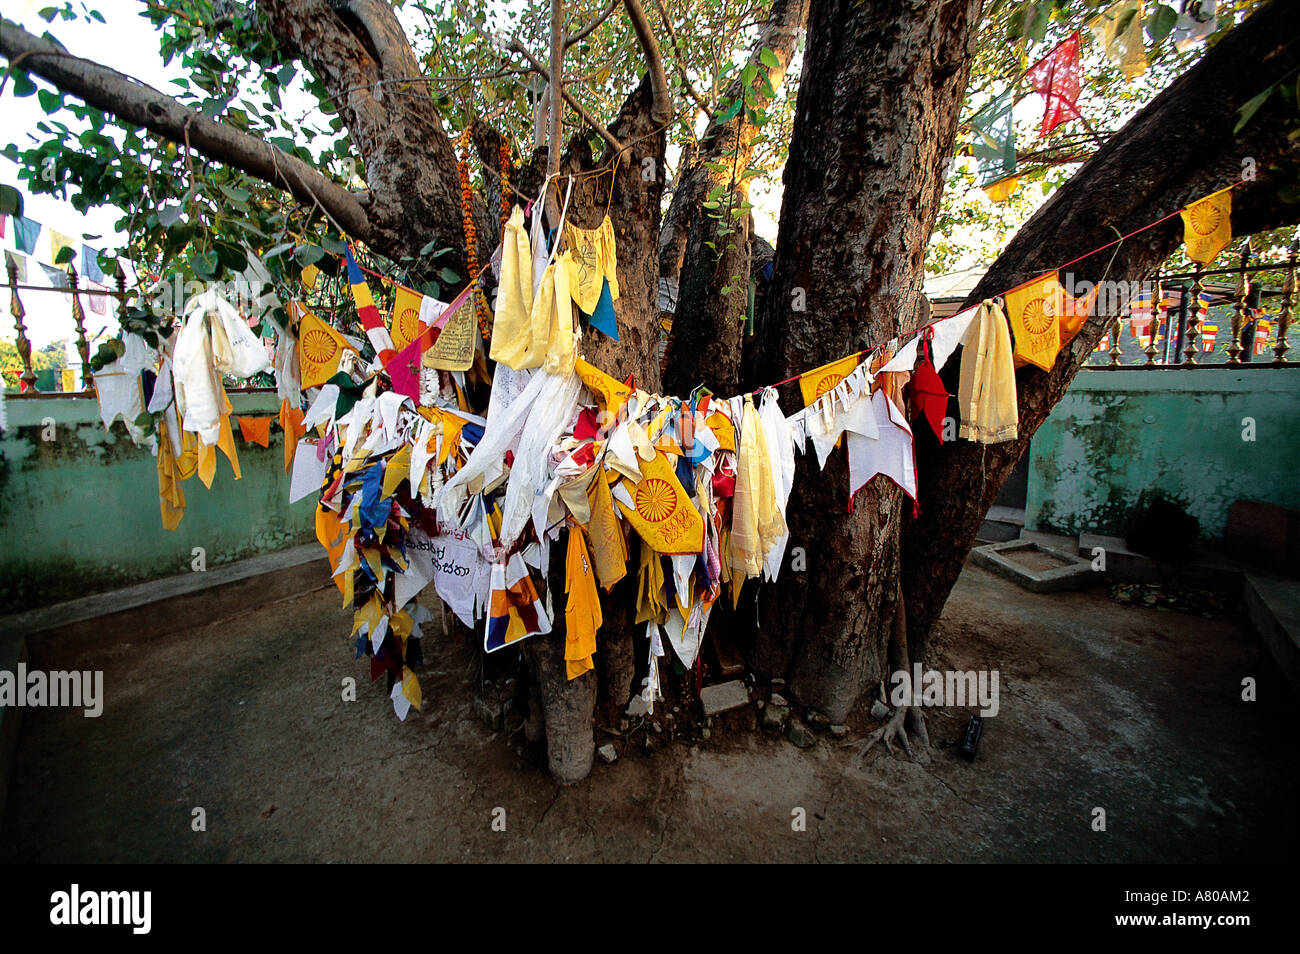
pixel 1139 175
pixel 135 102
pixel 661 104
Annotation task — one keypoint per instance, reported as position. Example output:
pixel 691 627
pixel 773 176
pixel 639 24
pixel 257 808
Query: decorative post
pixel 1116 352
pixel 1194 320
pixel 1151 349
pixel 1239 308
pixel 23 346
pixel 79 319
pixel 1284 316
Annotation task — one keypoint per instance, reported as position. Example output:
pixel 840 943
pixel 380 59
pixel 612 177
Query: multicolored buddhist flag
pixel 1208 334
pixel 515 611
pixel 1034 310
pixel 1207 226
pixel 371 320
pixel 320 348
pixel 1056 78
pixel 813 384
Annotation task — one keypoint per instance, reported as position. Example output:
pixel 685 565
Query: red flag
pixel 404 368
pixel 1056 77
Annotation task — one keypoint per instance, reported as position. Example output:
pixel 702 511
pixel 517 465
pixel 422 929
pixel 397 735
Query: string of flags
pixel 415 485
pixel 1118 31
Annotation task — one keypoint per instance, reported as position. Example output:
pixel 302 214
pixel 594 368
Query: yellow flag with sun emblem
pixel 1034 309
pixel 1207 226
pixel 813 384
pixel 320 348
pixel 406 317
pixel 663 514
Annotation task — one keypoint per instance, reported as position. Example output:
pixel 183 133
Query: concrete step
pixel 58 635
pixel 1273 604
pixel 1001 524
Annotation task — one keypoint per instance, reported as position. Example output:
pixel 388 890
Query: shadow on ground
pixel 1127 709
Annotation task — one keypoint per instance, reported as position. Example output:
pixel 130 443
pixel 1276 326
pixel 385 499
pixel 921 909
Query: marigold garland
pixel 471 240
pixel 504 156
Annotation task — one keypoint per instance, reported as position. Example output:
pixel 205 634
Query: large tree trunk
pixel 713 268
pixel 628 187
pixel 1177 149
pixel 877 111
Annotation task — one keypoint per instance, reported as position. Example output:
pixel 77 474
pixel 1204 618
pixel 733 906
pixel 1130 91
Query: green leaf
pixel 232 257
pixel 11 201
pixel 23 85
pixel 306 255
pixel 732 111
pixel 1160 22
pixel 235 194
pixel 448 276
pixel 207 265
pixel 768 59
pixel 1251 108
pixel 334 246
pixel 48 14
pixel 65 255
pixel 50 101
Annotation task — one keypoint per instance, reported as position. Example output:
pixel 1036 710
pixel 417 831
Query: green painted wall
pixel 79 514
pixel 1120 437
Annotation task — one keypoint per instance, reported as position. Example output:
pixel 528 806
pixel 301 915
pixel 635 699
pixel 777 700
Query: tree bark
pixel 359 51
pixel 1179 148
pixel 708 323
pixel 877 112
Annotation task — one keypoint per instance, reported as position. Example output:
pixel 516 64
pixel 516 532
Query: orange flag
pixel 1034 309
pixel 256 430
pixel 291 422
pixel 1074 312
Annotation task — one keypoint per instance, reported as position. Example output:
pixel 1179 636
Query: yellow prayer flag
pixel 309 276
pixel 1035 309
pixel 611 393
pixel 320 348
pixel 455 348
pixel 1207 226
pixel 813 384
pixel 58 242
pixel 1003 189
pixel 664 514
pixel 406 317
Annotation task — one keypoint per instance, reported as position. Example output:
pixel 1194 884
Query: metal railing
pixel 1185 325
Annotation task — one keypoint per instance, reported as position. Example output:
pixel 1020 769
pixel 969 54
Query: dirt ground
pixel 1127 709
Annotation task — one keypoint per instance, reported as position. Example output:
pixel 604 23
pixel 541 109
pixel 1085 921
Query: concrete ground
pixel 1127 709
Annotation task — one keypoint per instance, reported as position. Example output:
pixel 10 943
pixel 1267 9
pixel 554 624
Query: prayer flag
pixel 813 384
pixel 320 348
pixel 371 320
pixel 1035 309
pixel 256 430
pixel 1056 78
pixel 994 146
pixel 1207 226
pixel 406 317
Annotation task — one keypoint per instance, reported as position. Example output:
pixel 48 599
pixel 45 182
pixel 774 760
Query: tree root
pixel 893 731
